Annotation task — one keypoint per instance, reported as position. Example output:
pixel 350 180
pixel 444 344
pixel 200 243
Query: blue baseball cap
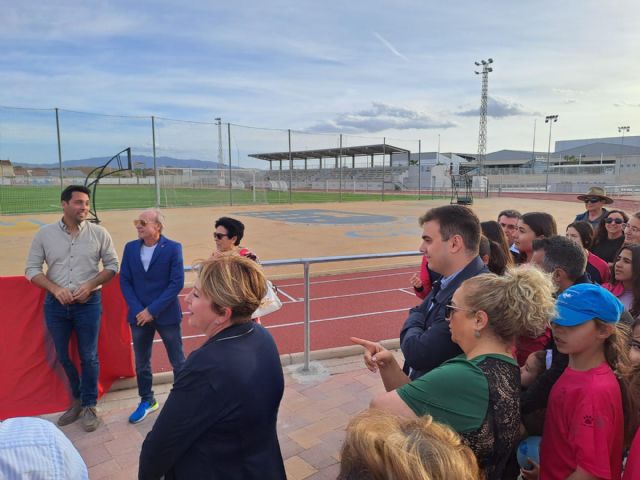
pixel 583 302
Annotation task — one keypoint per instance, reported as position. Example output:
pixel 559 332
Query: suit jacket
pixel 156 289
pixel 425 338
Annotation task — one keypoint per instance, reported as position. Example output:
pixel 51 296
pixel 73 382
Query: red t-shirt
pixel 632 470
pixel 583 426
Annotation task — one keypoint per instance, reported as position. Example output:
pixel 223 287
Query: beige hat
pixel 596 192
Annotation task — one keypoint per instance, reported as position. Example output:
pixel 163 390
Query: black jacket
pixel 219 421
pixel 425 338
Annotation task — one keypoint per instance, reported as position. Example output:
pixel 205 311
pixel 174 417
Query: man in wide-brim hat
pixel 594 202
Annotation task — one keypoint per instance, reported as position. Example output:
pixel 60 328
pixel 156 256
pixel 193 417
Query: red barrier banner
pixel 32 382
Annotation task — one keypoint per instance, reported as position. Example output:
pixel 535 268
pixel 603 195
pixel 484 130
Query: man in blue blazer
pixel 151 277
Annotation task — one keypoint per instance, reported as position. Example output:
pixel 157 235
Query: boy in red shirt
pixel 584 425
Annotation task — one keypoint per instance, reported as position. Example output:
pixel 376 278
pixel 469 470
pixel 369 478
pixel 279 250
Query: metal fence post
pixel 290 167
pixel 340 167
pixel 155 164
pixel 59 149
pixel 419 167
pixel 307 318
pixel 384 149
pixel 230 167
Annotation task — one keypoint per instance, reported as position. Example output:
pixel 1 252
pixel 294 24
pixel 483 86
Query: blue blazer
pixel 156 289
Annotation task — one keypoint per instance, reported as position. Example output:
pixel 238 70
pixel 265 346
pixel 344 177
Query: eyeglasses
pixel 635 230
pixel 592 200
pixel 450 309
pixel 220 236
pixel 142 223
pixel 617 221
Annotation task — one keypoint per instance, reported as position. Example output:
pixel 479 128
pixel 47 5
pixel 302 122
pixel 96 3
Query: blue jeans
pixel 142 344
pixel 84 318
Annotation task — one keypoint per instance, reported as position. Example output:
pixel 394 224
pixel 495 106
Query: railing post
pixel 307 318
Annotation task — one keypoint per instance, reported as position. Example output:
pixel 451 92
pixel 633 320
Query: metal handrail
pixel 306 262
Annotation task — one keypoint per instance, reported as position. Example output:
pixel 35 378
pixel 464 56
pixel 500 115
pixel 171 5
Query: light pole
pixel 482 136
pixel 550 119
pixel 219 123
pixel 622 130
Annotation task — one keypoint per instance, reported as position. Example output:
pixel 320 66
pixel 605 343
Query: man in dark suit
pixel 151 277
pixel 450 241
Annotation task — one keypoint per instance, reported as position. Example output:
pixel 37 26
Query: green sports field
pixel 16 200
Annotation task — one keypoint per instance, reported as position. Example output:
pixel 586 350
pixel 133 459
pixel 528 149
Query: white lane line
pixel 281 291
pixel 331 297
pixel 321 320
pixel 346 317
pixel 406 290
pixel 347 279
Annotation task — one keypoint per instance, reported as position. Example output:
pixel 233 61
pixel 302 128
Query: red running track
pixel 371 305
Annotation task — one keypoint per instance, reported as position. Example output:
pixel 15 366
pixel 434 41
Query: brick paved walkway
pixel 313 415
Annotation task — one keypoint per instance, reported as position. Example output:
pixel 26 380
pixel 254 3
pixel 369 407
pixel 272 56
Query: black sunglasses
pixel 592 200
pixel 220 236
pixel 617 221
pixel 450 309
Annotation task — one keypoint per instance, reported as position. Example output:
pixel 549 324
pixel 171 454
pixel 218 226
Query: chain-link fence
pixel 179 163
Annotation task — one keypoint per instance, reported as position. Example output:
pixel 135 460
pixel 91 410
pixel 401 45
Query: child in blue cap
pixel 584 425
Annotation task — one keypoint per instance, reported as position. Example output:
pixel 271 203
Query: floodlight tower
pixel 482 137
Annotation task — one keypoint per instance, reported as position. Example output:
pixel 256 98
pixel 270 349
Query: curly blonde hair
pixel 233 282
pixel 520 302
pixel 383 446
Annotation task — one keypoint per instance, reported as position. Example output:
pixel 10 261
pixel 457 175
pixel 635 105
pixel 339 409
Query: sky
pixel 399 70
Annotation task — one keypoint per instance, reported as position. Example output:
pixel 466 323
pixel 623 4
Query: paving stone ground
pixel 313 415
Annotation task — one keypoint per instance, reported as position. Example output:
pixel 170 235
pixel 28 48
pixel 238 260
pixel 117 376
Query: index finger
pixel 365 343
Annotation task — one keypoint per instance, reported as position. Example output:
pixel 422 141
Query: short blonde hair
pixel 381 446
pixel 520 302
pixel 233 282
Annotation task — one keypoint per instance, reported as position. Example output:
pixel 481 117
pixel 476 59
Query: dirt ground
pixel 285 231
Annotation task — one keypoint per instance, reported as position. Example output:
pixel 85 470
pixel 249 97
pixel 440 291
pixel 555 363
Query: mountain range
pixel 136 160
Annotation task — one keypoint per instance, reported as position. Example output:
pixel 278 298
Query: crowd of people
pixel 520 332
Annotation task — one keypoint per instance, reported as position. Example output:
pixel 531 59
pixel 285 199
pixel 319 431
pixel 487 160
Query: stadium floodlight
pixel 624 129
pixel 550 119
pixel 482 135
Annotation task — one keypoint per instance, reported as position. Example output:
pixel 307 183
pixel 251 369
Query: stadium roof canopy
pixel 362 150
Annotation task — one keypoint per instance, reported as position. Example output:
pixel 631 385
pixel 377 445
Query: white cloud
pixel 378 118
pixel 498 108
pixel 626 104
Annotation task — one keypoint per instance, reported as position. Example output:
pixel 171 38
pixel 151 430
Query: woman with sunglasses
pixel 476 393
pixel 227 235
pixel 610 235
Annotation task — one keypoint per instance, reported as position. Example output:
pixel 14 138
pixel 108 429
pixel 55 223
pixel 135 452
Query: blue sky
pixel 403 70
